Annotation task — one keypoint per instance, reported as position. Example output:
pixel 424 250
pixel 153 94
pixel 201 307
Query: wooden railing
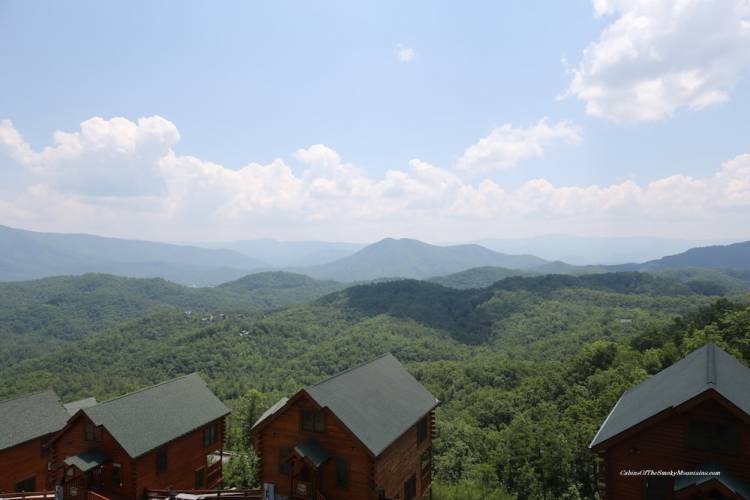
pixel 255 494
pixel 214 475
pixel 95 496
pixel 30 495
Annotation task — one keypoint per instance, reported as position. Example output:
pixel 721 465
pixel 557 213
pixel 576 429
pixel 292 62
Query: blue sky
pixel 598 100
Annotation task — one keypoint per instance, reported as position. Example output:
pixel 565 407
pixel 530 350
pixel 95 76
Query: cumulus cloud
pixel 105 158
pixel 657 56
pixel 507 146
pixel 405 54
pixel 195 198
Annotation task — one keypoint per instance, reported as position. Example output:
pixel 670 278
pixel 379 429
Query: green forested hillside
pixel 38 316
pixel 478 277
pixel 525 370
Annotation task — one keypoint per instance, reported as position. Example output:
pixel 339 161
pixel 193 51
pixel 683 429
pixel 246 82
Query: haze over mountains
pixel 28 255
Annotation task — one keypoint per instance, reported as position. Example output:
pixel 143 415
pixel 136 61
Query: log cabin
pixel 169 436
pixel 693 416
pixel 365 433
pixel 27 424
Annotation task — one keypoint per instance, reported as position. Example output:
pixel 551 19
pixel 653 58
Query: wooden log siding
pixel 402 459
pixel 22 462
pixel 185 455
pixel 664 445
pixel 285 432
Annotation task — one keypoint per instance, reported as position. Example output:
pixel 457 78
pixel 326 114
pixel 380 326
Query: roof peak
pixel 147 388
pixel 352 368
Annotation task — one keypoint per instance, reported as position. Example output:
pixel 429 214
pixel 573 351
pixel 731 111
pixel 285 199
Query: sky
pixel 296 120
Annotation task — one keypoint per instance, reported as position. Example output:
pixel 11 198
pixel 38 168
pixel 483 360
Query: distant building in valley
pixel 692 416
pixel 27 424
pixel 365 433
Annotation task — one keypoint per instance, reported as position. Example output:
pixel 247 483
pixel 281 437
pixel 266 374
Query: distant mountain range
pixel 28 255
pixel 280 254
pixel 585 250
pixel 734 256
pixel 407 258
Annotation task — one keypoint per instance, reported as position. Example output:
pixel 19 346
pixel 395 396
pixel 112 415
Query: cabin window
pixel 721 437
pixel 425 460
pixel 285 466
pixel 200 478
pixel 161 460
pixel 210 435
pixel 422 430
pixel 28 484
pixel 658 488
pixel 410 488
pixel 92 433
pixel 117 475
pixel 313 421
pixel 342 473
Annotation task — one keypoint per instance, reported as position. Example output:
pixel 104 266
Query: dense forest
pixel 526 369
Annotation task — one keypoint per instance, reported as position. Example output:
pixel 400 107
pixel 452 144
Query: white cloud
pixel 658 56
pixel 507 146
pixel 105 158
pixel 405 54
pixel 329 199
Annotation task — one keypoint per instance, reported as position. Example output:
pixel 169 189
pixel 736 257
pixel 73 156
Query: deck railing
pixel 28 495
pixel 95 496
pixel 253 494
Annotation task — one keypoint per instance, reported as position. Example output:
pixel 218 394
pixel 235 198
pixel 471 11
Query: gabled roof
pixel 29 417
pixel 706 368
pixel 313 451
pixel 74 406
pixel 87 460
pixel 272 410
pixel 729 481
pixel 377 401
pixel 146 419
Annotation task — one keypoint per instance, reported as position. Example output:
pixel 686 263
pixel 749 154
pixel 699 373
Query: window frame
pixel 116 479
pixel 31 478
pixel 312 421
pixel 342 472
pixel 202 484
pixel 162 460
pixel 408 493
pixel 713 436
pixel 211 434
pixel 285 467
pixel 423 430
pixel 92 433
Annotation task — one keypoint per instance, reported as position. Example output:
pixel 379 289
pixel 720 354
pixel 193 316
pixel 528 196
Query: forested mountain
pixel 28 255
pixel 39 316
pixel 406 258
pixel 478 277
pixel 289 253
pixel 526 369
pixel 588 250
pixel 734 256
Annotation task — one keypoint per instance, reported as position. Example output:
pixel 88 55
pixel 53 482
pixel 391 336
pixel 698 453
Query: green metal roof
pixel 313 451
pixel 724 477
pixel 88 459
pixel 148 418
pixel 378 401
pixel 709 367
pixel 74 406
pixel 272 410
pixel 29 417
